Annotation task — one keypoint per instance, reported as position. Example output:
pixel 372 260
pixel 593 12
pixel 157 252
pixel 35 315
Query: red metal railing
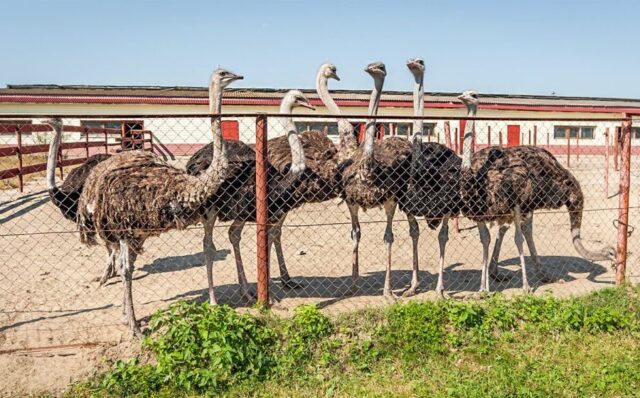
pixel 19 149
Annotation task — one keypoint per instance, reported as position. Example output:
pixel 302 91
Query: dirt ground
pixel 57 325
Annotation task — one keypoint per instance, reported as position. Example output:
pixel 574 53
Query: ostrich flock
pixel 121 200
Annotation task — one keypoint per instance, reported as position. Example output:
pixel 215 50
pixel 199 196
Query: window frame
pixel 580 133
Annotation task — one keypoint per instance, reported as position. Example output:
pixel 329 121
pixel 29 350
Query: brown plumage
pixel 371 183
pixel 236 199
pixel 66 196
pixel 322 182
pixel 135 195
pixel 506 185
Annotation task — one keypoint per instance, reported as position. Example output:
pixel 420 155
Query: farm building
pixel 183 135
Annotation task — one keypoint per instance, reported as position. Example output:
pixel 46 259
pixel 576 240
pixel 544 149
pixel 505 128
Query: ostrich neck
pixel 418 107
pixel 469 131
pixel 370 134
pixel 215 107
pixel 52 157
pixel 345 129
pixel 295 144
pixel 210 180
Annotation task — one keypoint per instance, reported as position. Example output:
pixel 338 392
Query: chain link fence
pixel 50 289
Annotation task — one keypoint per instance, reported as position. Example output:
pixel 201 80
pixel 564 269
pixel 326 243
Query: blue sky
pixel 570 47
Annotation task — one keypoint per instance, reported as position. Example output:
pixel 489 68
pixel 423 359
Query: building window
pixel 635 132
pixel 586 132
pixel 103 124
pixel 406 129
pixel 331 128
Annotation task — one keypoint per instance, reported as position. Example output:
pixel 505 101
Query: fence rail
pixel 140 137
pixel 48 294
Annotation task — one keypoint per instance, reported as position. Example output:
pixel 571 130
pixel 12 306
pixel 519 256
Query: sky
pixel 566 47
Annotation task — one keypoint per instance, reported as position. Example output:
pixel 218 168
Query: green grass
pixel 523 347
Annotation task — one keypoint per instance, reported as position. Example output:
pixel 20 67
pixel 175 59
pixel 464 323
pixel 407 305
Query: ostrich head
pixel 469 97
pixel 293 99
pixel 416 66
pixel 223 78
pixel 55 122
pixel 610 253
pixel 376 70
pixel 329 71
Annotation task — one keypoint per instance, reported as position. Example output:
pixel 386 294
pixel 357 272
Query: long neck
pixel 370 134
pixel 52 158
pixel 215 107
pixel 345 129
pixel 295 144
pixel 210 180
pixel 469 131
pixel 418 107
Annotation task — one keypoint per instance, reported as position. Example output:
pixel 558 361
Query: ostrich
pixel 348 143
pixel 66 196
pixel 373 176
pixel 290 183
pixel 321 157
pixel 432 188
pixel 505 185
pixel 135 195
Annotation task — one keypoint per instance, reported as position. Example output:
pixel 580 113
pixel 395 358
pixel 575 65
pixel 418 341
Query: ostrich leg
pixel 390 210
pixel 110 269
pixel 519 240
pixel 443 238
pixel 355 238
pixel 235 236
pixel 493 267
pixel 209 252
pixel 277 243
pixel 527 230
pixel 127 260
pixel 414 232
pixel 485 238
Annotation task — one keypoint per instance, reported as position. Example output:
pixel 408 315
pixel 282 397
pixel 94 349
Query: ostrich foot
pixel 109 272
pixel 441 294
pixel 390 296
pixel 526 289
pixel 289 283
pixel 135 329
pixel 411 291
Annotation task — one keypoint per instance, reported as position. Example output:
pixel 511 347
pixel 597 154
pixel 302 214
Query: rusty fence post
pixel 616 149
pixel 106 142
pixel 623 203
pixel 447 135
pixel 488 135
pixel 500 138
pixel 262 220
pixel 606 163
pixel 86 142
pixel 535 135
pixel 578 145
pixel 19 142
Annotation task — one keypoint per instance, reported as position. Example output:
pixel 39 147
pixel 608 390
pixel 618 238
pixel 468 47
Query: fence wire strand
pixel 50 292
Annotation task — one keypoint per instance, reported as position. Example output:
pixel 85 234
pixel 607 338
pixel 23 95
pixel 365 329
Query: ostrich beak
pixel 307 105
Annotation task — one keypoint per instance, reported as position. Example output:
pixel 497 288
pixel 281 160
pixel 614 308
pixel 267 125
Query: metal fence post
pixel 623 202
pixel 19 141
pixel 488 135
pixel 447 135
pixel 262 220
pixel 535 135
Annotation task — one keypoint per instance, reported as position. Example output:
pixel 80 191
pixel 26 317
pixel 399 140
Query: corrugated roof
pixel 193 95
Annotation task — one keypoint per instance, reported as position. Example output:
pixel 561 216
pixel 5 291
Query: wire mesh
pixel 50 292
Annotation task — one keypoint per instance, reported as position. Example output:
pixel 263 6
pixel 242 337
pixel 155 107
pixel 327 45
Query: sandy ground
pixel 57 325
